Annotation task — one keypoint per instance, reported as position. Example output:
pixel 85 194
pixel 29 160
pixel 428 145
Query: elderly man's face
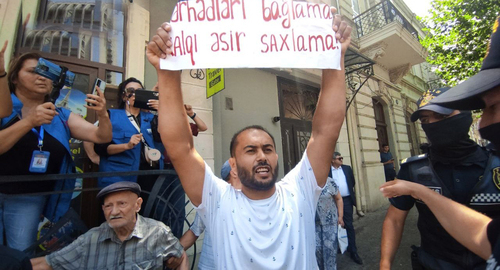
pixel 120 209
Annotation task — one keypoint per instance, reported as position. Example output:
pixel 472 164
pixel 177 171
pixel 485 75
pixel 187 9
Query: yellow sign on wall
pixel 215 81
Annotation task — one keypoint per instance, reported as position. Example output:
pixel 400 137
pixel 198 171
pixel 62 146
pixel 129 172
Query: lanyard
pixel 133 121
pixel 40 136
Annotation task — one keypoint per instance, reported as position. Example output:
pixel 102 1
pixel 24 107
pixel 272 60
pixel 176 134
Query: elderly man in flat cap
pixel 125 241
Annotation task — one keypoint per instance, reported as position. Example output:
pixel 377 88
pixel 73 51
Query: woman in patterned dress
pixel 329 213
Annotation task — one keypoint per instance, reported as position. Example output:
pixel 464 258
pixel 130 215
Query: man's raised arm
pixel 173 125
pixel 330 110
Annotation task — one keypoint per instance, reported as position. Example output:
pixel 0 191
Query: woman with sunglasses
pixel 132 140
pixel 35 140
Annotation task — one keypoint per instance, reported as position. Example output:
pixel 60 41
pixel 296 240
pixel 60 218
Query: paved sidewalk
pixel 368 235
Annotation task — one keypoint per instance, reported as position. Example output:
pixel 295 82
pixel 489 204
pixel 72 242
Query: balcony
pixel 387 37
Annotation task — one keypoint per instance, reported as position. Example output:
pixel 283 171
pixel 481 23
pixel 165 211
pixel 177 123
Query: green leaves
pixel 457 36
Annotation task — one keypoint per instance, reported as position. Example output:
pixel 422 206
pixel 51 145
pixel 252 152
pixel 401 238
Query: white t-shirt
pixel 274 233
pixel 339 178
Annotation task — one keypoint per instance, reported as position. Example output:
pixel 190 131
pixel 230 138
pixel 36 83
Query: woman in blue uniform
pixel 35 140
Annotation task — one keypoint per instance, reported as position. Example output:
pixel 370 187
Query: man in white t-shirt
pixel 265 225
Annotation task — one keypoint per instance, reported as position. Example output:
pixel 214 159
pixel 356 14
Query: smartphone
pixel 142 97
pixel 52 71
pixel 102 86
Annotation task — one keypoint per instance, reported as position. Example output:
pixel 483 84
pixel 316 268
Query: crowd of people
pixel 250 219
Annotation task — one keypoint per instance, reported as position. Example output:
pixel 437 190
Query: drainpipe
pixel 355 165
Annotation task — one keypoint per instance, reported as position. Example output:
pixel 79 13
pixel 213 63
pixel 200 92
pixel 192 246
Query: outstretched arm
pixel 172 122
pixel 392 231
pixel 6 105
pixel 199 122
pixel 340 208
pixel 85 131
pixel 330 110
pixel 472 230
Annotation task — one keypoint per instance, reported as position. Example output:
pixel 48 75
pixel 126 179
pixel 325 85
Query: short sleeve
pixel 64 116
pixel 170 245
pixel 493 232
pixel 198 227
pixel 303 177
pixel 101 149
pixel 69 257
pixel 194 129
pixel 154 129
pixel 404 203
pixel 213 187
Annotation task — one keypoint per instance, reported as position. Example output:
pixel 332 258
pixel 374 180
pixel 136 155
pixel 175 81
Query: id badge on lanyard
pixel 39 159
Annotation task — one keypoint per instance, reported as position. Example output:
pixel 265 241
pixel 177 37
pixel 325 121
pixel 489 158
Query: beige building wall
pixel 10 12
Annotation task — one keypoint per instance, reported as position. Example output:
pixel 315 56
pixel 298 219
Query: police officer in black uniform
pixel 454 167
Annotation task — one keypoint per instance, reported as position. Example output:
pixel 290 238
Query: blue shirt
pixel 384 157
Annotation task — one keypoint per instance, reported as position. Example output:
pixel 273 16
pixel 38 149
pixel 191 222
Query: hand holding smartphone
pixel 101 84
pixel 142 97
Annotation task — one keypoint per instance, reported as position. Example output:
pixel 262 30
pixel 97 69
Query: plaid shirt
pixel 147 247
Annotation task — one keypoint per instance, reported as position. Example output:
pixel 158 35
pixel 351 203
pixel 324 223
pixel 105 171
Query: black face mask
pixel 492 134
pixel 449 132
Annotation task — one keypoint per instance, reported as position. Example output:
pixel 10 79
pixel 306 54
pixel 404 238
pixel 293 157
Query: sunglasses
pixel 340 158
pixel 130 92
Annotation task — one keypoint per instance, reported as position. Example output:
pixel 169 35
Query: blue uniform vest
pixel 128 160
pixel 57 204
pixel 484 198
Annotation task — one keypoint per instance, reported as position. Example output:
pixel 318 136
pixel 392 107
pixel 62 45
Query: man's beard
pixel 248 179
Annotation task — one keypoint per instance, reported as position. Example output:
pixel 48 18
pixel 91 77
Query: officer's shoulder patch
pixel 413 159
pixel 496 176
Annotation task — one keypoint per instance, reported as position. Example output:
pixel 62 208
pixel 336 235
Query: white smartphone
pixel 102 86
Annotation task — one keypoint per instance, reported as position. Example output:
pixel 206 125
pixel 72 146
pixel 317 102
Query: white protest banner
pixel 252 34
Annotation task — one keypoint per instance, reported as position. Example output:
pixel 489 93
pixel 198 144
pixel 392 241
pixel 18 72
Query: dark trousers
pixel 348 219
pixel 390 174
pixel 427 261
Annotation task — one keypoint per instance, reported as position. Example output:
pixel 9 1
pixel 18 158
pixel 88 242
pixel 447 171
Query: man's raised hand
pixel 160 45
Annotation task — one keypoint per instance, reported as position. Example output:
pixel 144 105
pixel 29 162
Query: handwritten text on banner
pixel 252 33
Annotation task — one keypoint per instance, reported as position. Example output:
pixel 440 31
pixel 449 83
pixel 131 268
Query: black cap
pixel 424 105
pixel 467 95
pixel 119 186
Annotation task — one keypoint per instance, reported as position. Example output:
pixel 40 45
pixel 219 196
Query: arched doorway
pixel 297 106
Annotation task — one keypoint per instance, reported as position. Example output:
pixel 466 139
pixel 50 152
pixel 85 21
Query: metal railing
pixel 379 16
pixel 159 205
